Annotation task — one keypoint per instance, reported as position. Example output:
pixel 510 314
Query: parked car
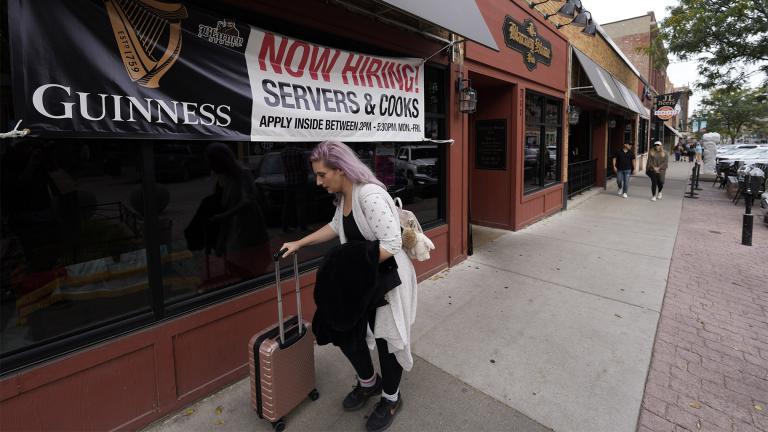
pixel 743 152
pixel 417 164
pixel 180 161
pixel 552 152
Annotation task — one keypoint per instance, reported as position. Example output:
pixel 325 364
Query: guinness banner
pixel 163 70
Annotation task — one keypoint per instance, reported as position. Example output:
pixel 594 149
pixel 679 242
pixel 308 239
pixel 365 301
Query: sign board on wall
pixel 666 107
pixel 491 144
pixel 525 39
pixel 145 69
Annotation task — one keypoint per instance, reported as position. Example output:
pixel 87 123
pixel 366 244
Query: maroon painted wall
pixel 599 143
pixel 491 190
pixel 510 61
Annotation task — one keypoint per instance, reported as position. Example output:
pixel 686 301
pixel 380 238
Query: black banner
pixel 128 68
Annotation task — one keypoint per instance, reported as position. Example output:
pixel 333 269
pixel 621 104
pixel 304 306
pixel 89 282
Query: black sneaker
pixel 357 398
pixel 383 414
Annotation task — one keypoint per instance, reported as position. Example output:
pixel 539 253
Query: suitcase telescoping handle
pixel 276 257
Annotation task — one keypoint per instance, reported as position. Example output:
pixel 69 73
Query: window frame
pixel 542 126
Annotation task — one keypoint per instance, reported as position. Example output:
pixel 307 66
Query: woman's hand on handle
pixel 322 235
pixel 290 248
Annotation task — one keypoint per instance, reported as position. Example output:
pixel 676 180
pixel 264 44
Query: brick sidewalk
pixel 709 370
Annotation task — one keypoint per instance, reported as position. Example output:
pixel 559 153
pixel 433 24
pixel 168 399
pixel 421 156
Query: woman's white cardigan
pixel 377 218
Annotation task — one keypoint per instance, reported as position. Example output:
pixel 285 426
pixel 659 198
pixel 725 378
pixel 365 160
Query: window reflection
pixel 532 160
pixel 72 246
pixel 543 128
pixel 266 195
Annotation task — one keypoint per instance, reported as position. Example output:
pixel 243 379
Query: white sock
pixel 370 382
pixel 391 398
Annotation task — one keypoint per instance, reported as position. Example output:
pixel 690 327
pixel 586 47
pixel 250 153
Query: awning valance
pixel 674 131
pixel 457 16
pixel 633 100
pixel 609 88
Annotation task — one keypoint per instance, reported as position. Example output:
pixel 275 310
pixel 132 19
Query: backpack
pixel 415 243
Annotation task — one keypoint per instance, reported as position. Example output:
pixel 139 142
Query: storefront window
pixel 629 137
pixel 543 139
pixel 642 146
pixel 76 255
pixel 274 200
pixel 72 249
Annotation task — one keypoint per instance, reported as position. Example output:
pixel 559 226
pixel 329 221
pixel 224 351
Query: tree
pixel 725 36
pixel 731 110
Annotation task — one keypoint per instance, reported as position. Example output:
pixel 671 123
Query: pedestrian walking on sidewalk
pixel 658 160
pixel 699 152
pixel 366 212
pixel 691 152
pixel 624 167
pixel 678 151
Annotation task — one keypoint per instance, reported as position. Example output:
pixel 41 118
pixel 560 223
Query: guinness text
pixel 58 102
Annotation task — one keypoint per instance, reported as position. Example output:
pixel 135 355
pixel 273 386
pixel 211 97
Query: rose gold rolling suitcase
pixel 282 362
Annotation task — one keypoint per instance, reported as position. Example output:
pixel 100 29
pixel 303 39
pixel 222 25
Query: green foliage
pixel 725 36
pixel 731 110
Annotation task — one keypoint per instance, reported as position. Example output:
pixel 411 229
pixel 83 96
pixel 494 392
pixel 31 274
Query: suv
pixel 418 164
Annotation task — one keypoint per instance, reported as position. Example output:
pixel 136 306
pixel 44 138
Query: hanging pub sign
pixel 665 106
pixel 524 38
pixel 164 70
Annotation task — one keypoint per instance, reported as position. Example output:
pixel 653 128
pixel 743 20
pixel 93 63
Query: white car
pixel 743 152
pixel 418 164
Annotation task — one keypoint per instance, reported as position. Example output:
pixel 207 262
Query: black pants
pixel 656 182
pixel 360 357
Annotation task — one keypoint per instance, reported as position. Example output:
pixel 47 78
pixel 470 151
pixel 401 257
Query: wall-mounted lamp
pixel 568 8
pixel 533 4
pixel 582 19
pixel 467 95
pixel 611 123
pixel 590 29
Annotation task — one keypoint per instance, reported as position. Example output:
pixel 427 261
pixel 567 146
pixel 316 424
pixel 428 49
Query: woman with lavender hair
pixel 365 211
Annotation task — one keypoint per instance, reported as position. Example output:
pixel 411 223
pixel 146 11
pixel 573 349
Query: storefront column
pixel 600 148
pixel 458 174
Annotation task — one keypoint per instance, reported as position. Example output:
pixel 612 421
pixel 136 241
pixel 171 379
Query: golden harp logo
pixel 148 35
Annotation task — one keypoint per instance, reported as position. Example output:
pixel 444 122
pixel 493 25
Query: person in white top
pixel 365 210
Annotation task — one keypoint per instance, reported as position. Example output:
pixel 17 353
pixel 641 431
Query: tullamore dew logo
pixel 524 38
pixel 148 36
pixel 225 33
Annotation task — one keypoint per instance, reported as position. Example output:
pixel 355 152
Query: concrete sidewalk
pixel 548 327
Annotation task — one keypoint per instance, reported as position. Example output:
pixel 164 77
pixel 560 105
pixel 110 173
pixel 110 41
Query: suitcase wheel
pixel 313 395
pixel 279 426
